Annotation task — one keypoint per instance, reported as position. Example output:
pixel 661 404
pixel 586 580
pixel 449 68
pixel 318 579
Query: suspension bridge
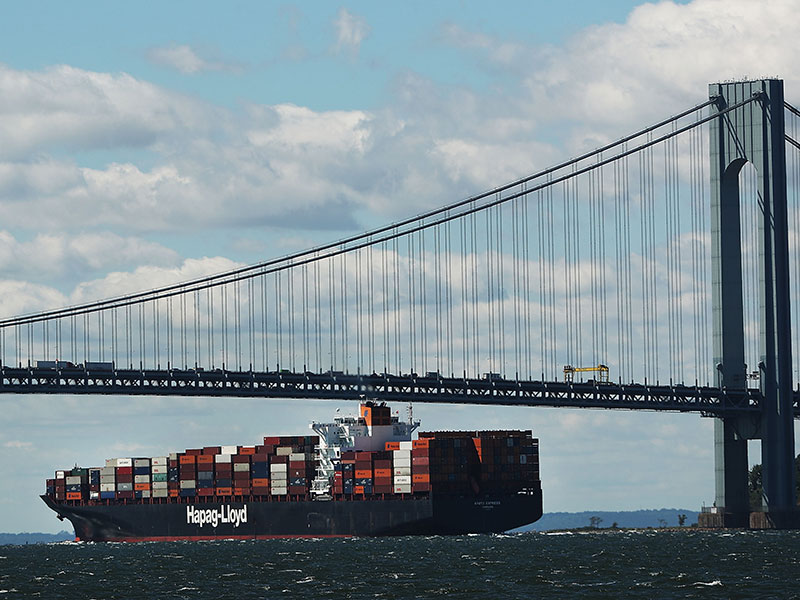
pixel 668 257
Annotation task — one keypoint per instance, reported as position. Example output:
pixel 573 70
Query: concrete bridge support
pixel 752 133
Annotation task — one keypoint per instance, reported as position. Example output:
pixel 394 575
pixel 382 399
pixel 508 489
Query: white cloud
pixel 351 31
pixel 185 59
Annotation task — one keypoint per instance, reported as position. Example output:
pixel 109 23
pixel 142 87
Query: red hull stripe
pixel 198 538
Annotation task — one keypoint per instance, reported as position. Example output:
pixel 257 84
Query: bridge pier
pixel 755 133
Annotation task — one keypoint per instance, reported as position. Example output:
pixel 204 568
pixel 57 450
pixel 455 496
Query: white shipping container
pixel 159 460
pixel 402 462
pixel 222 458
pixel 401 454
pixel 406 446
pixel 402 489
pixel 107 471
pixel 188 484
pixel 162 469
pixel 96 495
pixel 278 477
pixel 241 467
pixel 73 479
pixel 402 471
pixel 283 450
pixel 108 487
pixel 159 485
pixel 141 462
pixel 402 480
pixel 230 450
pixel 173 456
pixel 124 462
pixel 111 462
pixel 278 468
pixel 297 456
pixel 160 493
pixel 141 479
pixel 145 493
pixel 60 474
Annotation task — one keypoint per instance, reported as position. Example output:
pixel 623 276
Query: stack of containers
pixel 187 474
pixel 363 483
pixel 259 472
pixel 159 469
pixel 420 466
pixel 205 472
pixel 108 480
pixel 61 485
pixel 142 481
pixel 123 473
pixel 382 473
pixel 223 469
pixel 401 473
pixel 297 473
pixel 279 471
pixel 94 484
pixel 241 473
pixel 173 475
pixel 76 484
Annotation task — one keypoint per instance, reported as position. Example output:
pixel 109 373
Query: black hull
pixel 431 515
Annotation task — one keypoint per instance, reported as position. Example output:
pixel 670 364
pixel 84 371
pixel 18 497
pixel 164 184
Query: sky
pixel 159 141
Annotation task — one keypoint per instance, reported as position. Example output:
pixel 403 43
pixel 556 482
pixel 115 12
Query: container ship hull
pixel 430 515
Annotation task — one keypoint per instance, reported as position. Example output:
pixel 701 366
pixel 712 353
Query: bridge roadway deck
pixel 709 401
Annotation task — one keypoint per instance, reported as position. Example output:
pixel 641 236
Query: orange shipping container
pixel 187 459
pixel 363 473
pixel 247 449
pixel 241 491
pixel 141 487
pixel 421 478
pixel 393 445
pixel 260 482
pixel 73 495
pixel 173 493
pixel 420 443
pixel 224 491
pixel 358 489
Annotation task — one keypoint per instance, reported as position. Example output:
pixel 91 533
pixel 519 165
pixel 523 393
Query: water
pixel 649 564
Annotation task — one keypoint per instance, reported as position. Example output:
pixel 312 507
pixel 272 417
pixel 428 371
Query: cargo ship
pixel 360 475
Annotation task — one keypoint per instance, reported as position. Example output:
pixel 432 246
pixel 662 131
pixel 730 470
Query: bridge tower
pixel 752 133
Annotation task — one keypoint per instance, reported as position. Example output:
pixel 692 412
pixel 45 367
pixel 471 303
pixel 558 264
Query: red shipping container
pixel 124 478
pixel 125 495
pixel 297 464
pixel 382 489
pixel 205 491
pixel 279 460
pixel 123 471
pixel 260 457
pixel 241 491
pixel 194 451
pixel 260 490
pixel 241 476
pixel 241 459
pixel 272 441
pixel 212 450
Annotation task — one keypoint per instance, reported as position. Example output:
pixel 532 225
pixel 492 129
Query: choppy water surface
pixel 652 564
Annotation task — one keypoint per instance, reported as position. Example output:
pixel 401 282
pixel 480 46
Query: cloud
pixel 351 31
pixel 185 59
